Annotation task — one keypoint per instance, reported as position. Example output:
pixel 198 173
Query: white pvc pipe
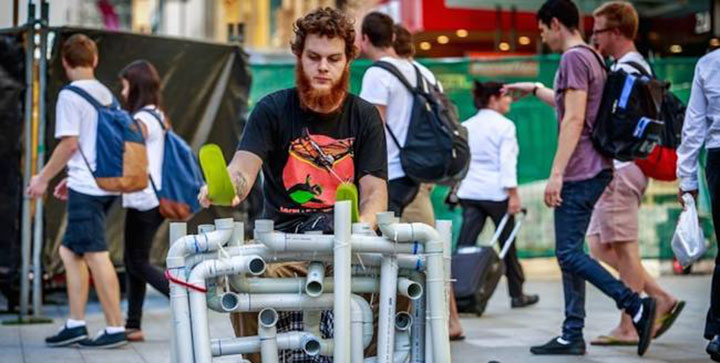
pixel 341 274
pixel 198 302
pixel 311 322
pixel 367 316
pixel 386 314
pixel 272 285
pixel 288 242
pixel 315 278
pixel 418 327
pixel 403 322
pixel 437 304
pixel 356 331
pixel 267 332
pixel 295 340
pixel 181 337
pixel 409 288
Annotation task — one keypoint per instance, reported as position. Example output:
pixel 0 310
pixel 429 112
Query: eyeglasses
pixel 600 31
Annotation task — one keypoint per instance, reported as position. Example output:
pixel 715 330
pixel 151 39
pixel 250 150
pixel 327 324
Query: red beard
pixel 321 101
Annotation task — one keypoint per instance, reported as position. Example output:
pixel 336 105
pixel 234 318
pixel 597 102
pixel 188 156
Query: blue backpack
pixel 121 161
pixel 182 178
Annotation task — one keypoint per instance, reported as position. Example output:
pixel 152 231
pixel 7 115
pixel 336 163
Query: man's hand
pixel 61 190
pixel 514 204
pixel 694 194
pixel 205 201
pixel 553 190
pixel 38 186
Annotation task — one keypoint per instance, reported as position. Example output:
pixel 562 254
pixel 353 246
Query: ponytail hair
pixel 482 91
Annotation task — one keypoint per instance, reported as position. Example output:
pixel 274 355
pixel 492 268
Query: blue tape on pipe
pixel 415 247
pixel 418 264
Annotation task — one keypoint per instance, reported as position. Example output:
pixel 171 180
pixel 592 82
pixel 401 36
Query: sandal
pixel 609 340
pixel 134 335
pixel 667 320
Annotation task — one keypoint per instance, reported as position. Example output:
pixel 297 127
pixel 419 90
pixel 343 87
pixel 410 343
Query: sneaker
pixel 103 340
pixel 523 301
pixel 644 326
pixel 67 336
pixel 560 346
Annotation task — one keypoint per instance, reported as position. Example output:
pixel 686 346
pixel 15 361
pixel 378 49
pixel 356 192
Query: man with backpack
pixel 614 227
pixel 385 84
pixel 384 88
pixel 701 127
pixel 578 177
pixel 84 244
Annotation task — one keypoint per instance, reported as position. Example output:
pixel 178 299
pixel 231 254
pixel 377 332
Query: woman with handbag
pixel 141 92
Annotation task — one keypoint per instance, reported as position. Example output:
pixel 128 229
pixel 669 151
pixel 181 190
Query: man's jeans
pixel 571 222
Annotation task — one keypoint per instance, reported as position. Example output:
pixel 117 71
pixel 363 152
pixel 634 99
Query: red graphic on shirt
pixel 316 166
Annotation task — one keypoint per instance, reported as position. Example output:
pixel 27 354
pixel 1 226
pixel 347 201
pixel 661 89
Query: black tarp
pixel 206 90
pixel 12 85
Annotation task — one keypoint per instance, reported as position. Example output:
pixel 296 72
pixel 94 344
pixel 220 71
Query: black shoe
pixel 105 340
pixel 559 346
pixel 67 336
pixel 523 301
pixel 644 327
pixel 713 348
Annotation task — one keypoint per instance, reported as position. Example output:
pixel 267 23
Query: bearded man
pixel 307 140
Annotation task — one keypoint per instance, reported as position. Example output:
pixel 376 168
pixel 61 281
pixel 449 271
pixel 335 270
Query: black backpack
pixel 628 124
pixel 672 113
pixel 436 148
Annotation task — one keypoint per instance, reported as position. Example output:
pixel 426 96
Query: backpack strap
pixel 90 99
pixel 639 68
pixel 396 72
pixel 597 56
pixel 154 114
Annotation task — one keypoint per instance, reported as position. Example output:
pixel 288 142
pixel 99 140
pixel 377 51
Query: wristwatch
pixel 537 86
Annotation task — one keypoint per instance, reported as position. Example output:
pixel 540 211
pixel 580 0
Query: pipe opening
pixel 256 266
pixel 403 321
pixel 314 288
pixel 229 301
pixel 268 317
pixel 414 291
pixel 312 347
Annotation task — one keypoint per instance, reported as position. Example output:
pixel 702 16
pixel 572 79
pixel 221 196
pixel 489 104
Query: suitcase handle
pixel 501 227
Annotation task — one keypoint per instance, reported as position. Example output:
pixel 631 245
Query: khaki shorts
pixel 616 214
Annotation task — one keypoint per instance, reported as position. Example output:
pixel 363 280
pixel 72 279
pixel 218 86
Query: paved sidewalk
pixel 502 334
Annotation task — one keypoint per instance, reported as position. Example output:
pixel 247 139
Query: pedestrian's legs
pixel 473 223
pixel 106 285
pixel 632 274
pixel 513 269
pixel 712 171
pixel 77 283
pixel 571 222
pixel 140 228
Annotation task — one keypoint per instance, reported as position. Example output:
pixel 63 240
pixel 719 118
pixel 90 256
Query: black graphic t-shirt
pixel 306 155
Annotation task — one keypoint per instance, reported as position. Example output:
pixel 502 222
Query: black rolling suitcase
pixel 477 271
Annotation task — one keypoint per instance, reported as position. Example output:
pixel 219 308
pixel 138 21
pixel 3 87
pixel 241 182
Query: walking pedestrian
pixel 490 186
pixel 578 177
pixel 141 91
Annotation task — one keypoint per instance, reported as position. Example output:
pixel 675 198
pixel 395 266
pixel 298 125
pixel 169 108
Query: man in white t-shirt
pixel 84 244
pixel 613 232
pixel 392 99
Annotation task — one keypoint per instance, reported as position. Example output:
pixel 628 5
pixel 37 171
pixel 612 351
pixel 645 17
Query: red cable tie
pixel 177 281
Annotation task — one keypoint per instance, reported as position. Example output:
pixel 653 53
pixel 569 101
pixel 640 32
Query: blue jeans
pixel 571 222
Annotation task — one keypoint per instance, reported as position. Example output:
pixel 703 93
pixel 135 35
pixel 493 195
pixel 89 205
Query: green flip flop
pixel 348 191
pixel 220 188
pixel 667 320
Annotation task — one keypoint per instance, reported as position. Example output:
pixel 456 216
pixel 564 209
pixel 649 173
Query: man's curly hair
pixel 326 22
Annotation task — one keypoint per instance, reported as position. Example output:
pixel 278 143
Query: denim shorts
pixel 86 227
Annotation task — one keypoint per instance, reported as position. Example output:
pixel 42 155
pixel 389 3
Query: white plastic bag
pixel 688 242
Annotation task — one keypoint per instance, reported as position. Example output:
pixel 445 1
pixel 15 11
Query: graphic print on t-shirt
pixel 316 165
